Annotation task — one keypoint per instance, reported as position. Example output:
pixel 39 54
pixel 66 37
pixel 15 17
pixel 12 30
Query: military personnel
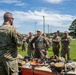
pixel 65 41
pixel 56 44
pixel 24 44
pixel 44 35
pixel 28 40
pixel 9 40
pixel 40 49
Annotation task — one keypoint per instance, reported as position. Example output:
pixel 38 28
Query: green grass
pixel 72 50
pixel 23 53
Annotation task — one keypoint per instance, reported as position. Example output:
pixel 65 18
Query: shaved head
pixel 8 17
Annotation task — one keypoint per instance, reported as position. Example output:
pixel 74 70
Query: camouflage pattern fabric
pixel 56 45
pixel 24 44
pixel 47 39
pixel 49 43
pixel 9 40
pixel 29 51
pixel 2 68
pixel 65 46
pixel 39 46
pixel 8 67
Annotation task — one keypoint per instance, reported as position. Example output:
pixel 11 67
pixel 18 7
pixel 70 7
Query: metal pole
pixel 35 27
pixel 43 24
pixel 48 29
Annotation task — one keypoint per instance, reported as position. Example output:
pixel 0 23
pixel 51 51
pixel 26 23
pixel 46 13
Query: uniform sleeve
pixel 31 43
pixel 27 40
pixel 69 39
pixel 16 36
pixel 62 39
pixel 47 43
pixel 59 39
pixel 56 40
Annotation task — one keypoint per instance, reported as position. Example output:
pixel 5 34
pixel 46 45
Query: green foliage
pixel 72 28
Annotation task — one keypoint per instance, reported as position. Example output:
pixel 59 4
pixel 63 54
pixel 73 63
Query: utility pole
pixel 35 27
pixel 48 29
pixel 43 24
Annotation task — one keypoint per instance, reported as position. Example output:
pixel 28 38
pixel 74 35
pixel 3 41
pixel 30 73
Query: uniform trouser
pixel 56 51
pixel 30 52
pixel 65 51
pixel 23 47
pixel 8 67
pixel 39 54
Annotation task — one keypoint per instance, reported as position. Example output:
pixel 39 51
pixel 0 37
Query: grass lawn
pixel 72 50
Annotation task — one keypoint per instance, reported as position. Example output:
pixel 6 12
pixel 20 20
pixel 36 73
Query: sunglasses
pixel 12 18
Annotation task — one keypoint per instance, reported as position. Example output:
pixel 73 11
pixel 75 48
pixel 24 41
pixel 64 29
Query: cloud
pixel 9 1
pixel 28 19
pixel 54 1
pixel 20 4
pixel 51 18
pixel 15 2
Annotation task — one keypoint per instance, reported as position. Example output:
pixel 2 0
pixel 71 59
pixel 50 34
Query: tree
pixel 72 28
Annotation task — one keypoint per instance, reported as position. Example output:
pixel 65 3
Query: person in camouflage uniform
pixel 56 44
pixel 65 42
pixel 28 40
pixel 24 44
pixel 40 49
pixel 9 40
pixel 44 35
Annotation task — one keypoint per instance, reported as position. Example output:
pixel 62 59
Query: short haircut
pixel 7 15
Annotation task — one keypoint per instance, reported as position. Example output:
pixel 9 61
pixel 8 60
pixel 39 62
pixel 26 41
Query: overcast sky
pixel 28 14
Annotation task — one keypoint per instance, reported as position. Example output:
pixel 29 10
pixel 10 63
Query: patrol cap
pixel 38 30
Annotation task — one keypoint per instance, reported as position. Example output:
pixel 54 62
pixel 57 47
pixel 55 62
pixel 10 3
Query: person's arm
pixel 68 39
pixel 47 43
pixel 27 40
pixel 62 39
pixel 31 43
pixel 16 37
pixel 57 39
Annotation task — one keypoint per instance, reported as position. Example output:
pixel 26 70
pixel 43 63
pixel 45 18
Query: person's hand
pixel 66 39
pixel 43 50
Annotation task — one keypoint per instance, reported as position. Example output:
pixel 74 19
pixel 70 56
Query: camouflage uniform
pixel 9 40
pixel 56 45
pixel 49 43
pixel 29 51
pixel 24 44
pixel 39 46
pixel 65 46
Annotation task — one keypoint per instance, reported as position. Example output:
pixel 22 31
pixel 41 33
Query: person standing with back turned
pixel 10 39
